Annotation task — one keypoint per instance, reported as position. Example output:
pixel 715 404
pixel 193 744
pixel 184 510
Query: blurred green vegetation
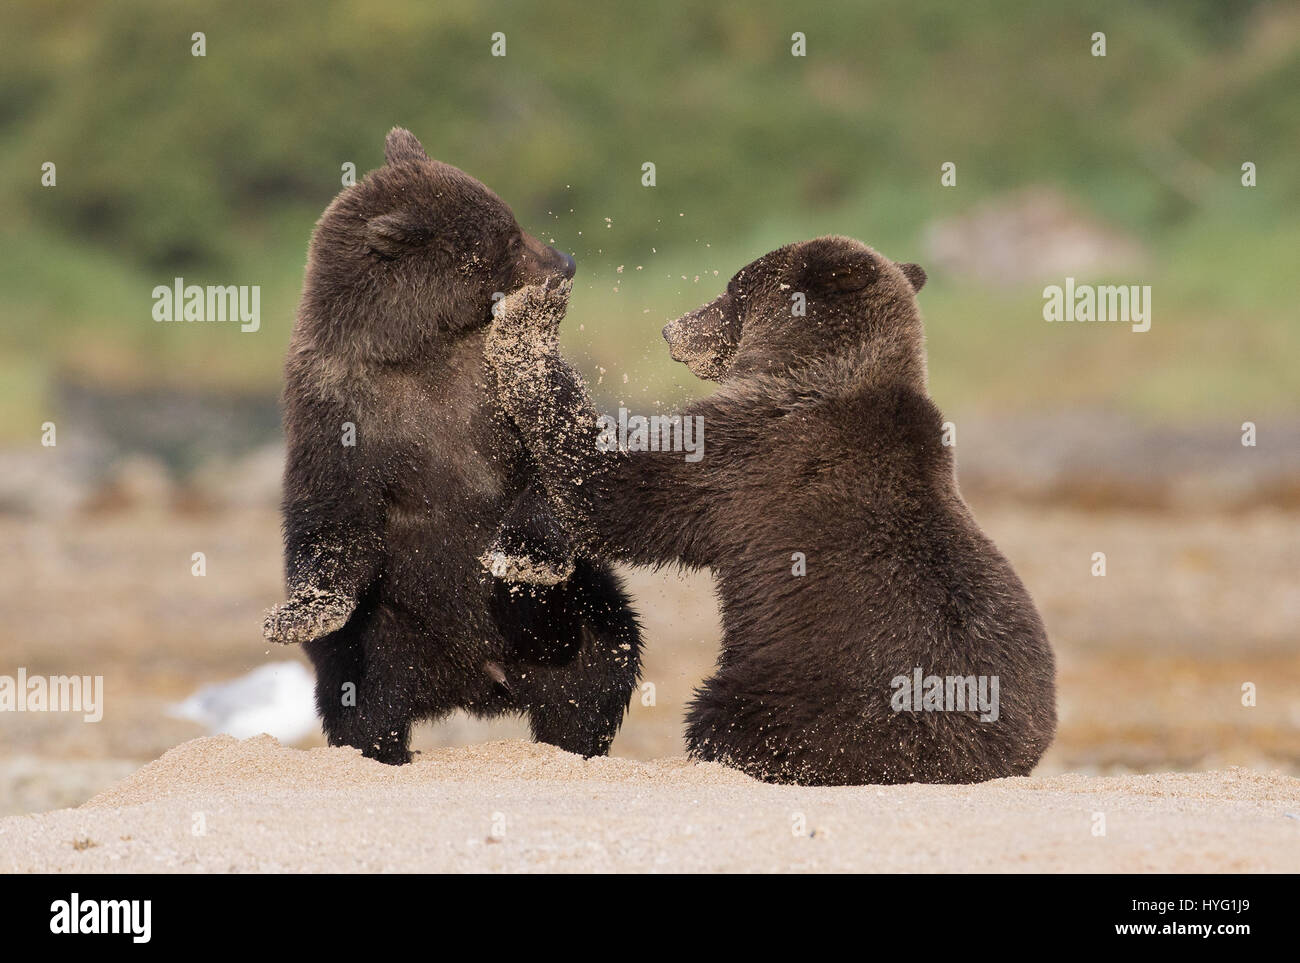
pixel 215 169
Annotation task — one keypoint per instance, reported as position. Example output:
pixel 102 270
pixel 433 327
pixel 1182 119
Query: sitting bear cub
pixel 401 474
pixel 872 632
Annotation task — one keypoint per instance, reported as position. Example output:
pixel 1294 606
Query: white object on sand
pixel 278 699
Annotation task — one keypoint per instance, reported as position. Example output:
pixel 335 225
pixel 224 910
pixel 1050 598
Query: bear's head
pixel 414 255
pixel 803 303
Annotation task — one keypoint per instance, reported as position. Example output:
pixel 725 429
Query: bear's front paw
pixel 308 615
pixel 534 312
pixel 525 569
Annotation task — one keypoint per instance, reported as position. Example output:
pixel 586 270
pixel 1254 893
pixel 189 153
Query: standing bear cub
pixel 401 475
pixel 872 632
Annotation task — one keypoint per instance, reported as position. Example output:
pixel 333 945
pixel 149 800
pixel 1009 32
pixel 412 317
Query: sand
pixel 1150 668
pixel 224 805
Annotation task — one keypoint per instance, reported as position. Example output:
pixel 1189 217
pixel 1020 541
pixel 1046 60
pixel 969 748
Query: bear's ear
pixel 391 235
pixel 402 145
pixel 837 264
pixel 915 275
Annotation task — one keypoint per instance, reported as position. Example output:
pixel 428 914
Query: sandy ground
pixel 1151 658
pixel 222 805
pixel 1151 661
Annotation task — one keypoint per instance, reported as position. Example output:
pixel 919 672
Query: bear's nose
pixel 673 336
pixel 568 266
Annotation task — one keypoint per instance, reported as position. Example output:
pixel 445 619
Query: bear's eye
pixel 516 241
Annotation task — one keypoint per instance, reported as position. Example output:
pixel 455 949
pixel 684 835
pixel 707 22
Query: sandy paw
pixel 520 568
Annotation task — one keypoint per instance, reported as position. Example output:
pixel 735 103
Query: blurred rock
pixel 134 481
pixel 41 482
pixel 183 428
pixel 1027 237
pixel 133 448
pixel 1098 460
pixel 251 480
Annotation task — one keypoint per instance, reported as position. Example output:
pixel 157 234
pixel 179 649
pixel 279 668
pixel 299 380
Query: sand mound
pixel 222 765
pixel 220 804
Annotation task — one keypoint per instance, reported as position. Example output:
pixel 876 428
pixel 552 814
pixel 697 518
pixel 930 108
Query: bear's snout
pixel 540 262
pixel 672 335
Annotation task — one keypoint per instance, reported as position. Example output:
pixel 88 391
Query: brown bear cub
pixel 872 632
pixel 401 474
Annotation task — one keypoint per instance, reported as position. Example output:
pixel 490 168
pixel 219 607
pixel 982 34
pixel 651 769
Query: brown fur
pixel 821 440
pixel 383 539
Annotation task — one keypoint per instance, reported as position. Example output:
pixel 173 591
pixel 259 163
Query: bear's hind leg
pixel 579 706
pixel 355 708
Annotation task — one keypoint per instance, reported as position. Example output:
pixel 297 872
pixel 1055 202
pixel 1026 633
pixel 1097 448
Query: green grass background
pixel 215 169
